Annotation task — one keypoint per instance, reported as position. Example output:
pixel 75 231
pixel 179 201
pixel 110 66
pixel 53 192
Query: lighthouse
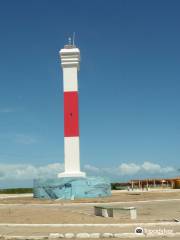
pixel 70 60
pixel 72 183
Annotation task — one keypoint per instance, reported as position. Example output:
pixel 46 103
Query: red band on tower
pixel 71 118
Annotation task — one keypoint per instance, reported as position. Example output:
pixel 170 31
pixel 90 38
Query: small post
pixel 132 185
pixel 154 183
pixel 147 185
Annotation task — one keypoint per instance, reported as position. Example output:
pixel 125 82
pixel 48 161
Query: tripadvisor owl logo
pixel 139 230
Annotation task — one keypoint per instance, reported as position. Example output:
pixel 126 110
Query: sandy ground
pixel 146 212
pixel 154 207
pixel 146 238
pixel 117 196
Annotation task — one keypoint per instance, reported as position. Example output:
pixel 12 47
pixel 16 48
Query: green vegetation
pixel 16 190
pixel 119 186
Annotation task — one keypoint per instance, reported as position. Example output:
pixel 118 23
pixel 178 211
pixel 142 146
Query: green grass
pixel 115 186
pixel 16 190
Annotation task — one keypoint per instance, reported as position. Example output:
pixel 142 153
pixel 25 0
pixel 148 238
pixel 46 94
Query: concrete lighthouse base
pixel 72 188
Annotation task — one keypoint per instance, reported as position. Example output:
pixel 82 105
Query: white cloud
pixel 28 171
pixel 146 167
pixel 156 168
pixel 91 168
pixel 129 169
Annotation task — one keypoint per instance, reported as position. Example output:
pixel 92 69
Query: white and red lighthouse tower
pixel 70 58
pixel 72 183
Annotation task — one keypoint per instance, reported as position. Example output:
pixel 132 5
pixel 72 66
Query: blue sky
pixel 128 82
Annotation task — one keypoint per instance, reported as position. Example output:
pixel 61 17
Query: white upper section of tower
pixel 70 56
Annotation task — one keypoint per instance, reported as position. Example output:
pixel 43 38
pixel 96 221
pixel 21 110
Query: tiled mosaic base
pixel 72 188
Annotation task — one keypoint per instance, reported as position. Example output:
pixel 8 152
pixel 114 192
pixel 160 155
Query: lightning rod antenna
pixel 73 38
pixel 69 40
